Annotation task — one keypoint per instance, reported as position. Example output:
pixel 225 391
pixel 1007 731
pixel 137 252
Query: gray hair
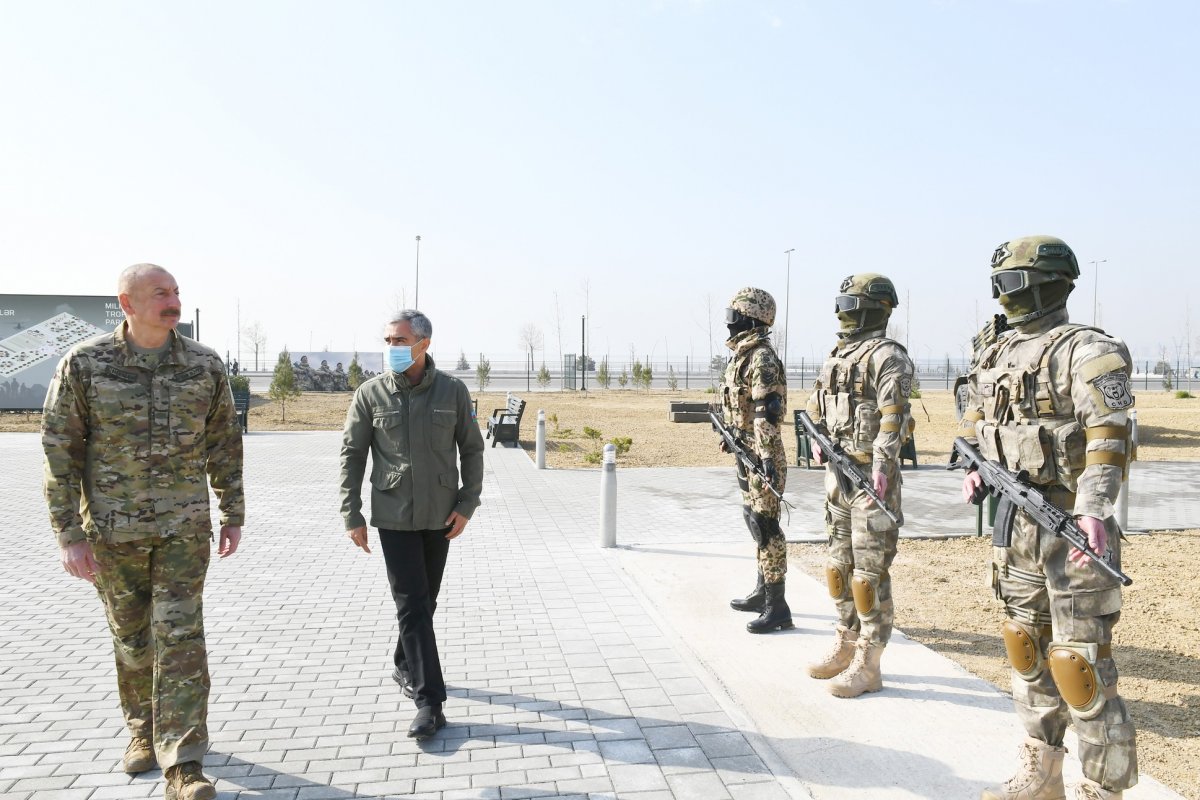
pixel 420 324
pixel 131 276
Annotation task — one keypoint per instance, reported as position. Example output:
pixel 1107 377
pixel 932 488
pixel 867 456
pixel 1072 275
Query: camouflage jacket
pixel 129 439
pixel 413 434
pixel 1053 399
pixel 861 397
pixel 752 376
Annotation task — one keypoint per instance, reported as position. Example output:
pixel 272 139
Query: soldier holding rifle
pixel 1048 400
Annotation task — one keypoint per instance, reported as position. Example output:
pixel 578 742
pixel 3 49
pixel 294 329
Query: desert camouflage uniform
pixel 129 438
pixel 861 400
pixel 1053 399
pixel 754 372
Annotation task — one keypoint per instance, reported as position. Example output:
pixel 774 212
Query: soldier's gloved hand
pixel 881 483
pixel 724 445
pixel 770 471
pixel 1097 540
pixel 972 488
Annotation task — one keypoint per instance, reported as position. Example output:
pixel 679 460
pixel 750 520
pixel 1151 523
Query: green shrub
pixel 239 383
pixel 1183 394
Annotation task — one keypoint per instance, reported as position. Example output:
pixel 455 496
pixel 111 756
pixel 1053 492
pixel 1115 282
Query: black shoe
pixel 402 677
pixel 753 601
pixel 429 720
pixel 776 616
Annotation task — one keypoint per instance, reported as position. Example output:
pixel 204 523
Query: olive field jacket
pixel 413 434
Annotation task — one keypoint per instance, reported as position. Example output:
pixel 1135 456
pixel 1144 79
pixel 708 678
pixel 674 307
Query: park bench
pixel 908 450
pixel 241 405
pixel 505 423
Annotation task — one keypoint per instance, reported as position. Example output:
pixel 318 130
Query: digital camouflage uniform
pixel 754 372
pixel 129 440
pixel 1053 398
pixel 861 400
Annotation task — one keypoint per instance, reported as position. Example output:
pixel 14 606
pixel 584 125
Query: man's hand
pixel 457 522
pixel 231 536
pixel 881 483
pixel 724 446
pixel 78 560
pixel 817 454
pixel 1097 540
pixel 770 471
pixel 972 488
pixel 359 537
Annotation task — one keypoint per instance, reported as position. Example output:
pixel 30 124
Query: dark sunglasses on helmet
pixel 1011 281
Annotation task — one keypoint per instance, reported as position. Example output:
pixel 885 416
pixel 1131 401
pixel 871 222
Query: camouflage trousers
pixel 1040 587
pixel 862 545
pixel 760 508
pixel 153 593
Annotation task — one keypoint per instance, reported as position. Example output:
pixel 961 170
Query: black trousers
pixel 415 562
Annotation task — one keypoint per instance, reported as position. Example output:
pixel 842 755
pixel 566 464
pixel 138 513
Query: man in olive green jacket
pixel 413 420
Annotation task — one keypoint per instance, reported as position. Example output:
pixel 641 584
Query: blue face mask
pixel 397 357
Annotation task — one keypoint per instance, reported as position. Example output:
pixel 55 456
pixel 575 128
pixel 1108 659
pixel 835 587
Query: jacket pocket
pixel 388 478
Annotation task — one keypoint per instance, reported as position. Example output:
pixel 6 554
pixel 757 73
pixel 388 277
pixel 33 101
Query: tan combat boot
pixel 863 673
pixel 139 756
pixel 838 657
pixel 187 782
pixel 1038 778
pixel 1090 790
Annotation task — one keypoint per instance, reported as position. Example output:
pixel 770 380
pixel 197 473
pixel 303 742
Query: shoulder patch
pixel 1113 390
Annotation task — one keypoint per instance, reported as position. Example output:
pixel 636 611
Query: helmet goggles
pixel 1011 281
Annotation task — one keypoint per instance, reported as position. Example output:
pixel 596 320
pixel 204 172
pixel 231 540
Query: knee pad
pixel 1023 643
pixel 762 527
pixel 1073 667
pixel 865 587
pixel 835 578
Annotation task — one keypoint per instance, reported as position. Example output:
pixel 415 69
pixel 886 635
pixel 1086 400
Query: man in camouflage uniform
pixel 133 422
pixel 861 402
pixel 1052 398
pixel 754 395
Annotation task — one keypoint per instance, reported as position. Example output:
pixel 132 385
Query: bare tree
pixel 255 338
pixel 531 339
pixel 558 327
pixel 398 303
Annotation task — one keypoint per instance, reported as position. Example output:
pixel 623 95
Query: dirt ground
pixel 941 596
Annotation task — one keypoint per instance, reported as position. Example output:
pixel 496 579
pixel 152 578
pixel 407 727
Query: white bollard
pixel 541 439
pixel 608 497
pixel 1122 508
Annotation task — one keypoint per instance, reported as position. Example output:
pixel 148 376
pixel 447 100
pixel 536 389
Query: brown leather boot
pixel 839 656
pixel 1039 777
pixel 863 673
pixel 139 756
pixel 186 781
pixel 1090 790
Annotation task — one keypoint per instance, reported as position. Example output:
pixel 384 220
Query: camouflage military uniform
pixel 1052 398
pixel 753 373
pixel 129 439
pixel 861 400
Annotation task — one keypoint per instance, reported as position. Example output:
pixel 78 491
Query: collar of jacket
pixel 862 336
pixel 177 354
pixel 747 340
pixel 398 382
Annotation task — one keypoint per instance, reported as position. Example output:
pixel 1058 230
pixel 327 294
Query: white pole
pixel 541 439
pixel 1122 508
pixel 608 497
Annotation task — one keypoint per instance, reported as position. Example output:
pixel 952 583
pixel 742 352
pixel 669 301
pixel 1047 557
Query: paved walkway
pixel 575 672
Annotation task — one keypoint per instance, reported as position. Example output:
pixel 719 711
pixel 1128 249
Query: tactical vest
pixel 1028 424
pixel 851 414
pixel 739 406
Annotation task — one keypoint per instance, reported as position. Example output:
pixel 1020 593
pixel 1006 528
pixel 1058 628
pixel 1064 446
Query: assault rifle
pixel 754 465
pixel 1017 492
pixel 845 468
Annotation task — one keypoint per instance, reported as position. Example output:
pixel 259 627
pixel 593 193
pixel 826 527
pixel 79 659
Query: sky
pixel 636 161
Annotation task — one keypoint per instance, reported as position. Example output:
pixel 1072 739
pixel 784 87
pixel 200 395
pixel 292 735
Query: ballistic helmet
pixel 1032 276
pixel 755 304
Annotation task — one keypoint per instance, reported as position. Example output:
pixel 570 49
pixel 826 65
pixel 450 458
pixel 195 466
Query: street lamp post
pixel 1096 290
pixel 787 307
pixel 417 296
